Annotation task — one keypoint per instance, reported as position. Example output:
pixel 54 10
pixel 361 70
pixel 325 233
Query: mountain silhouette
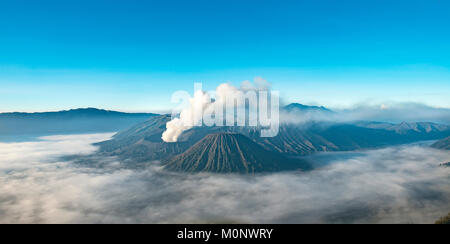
pixel 293 107
pixel 85 120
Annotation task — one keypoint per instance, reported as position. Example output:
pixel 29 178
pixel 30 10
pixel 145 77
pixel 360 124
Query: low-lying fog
pixel 402 184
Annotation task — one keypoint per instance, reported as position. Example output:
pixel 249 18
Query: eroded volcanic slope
pixel 231 153
pixel 143 143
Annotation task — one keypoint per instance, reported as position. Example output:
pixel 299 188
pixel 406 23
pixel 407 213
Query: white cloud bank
pixel 392 185
pixel 386 112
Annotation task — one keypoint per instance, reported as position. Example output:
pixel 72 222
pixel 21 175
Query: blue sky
pixel 131 55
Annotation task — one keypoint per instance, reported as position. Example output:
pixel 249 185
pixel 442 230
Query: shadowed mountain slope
pixel 442 144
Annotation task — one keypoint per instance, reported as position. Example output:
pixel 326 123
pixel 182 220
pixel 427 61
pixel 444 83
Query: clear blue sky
pixel 131 55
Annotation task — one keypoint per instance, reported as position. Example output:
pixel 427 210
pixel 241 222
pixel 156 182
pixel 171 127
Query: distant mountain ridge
pixel 301 107
pixel 84 120
pixel 404 127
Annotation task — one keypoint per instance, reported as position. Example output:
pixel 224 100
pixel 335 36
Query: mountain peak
pixel 75 111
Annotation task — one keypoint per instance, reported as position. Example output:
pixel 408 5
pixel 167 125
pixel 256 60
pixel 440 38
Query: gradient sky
pixel 132 55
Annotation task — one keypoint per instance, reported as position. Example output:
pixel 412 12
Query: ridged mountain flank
pixel 143 143
pixel 231 153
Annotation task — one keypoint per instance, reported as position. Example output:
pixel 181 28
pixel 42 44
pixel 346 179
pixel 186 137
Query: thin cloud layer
pixel 392 185
pixel 388 112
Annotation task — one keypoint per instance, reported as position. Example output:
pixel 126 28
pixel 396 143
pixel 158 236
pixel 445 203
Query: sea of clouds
pixel 402 184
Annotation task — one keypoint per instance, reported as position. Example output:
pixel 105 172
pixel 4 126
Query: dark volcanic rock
pixel 232 153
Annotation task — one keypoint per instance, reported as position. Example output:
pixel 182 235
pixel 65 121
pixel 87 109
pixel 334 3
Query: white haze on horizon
pixel 401 184
pixel 387 112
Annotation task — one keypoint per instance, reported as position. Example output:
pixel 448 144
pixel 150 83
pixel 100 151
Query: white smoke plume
pixel 203 107
pixel 188 117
